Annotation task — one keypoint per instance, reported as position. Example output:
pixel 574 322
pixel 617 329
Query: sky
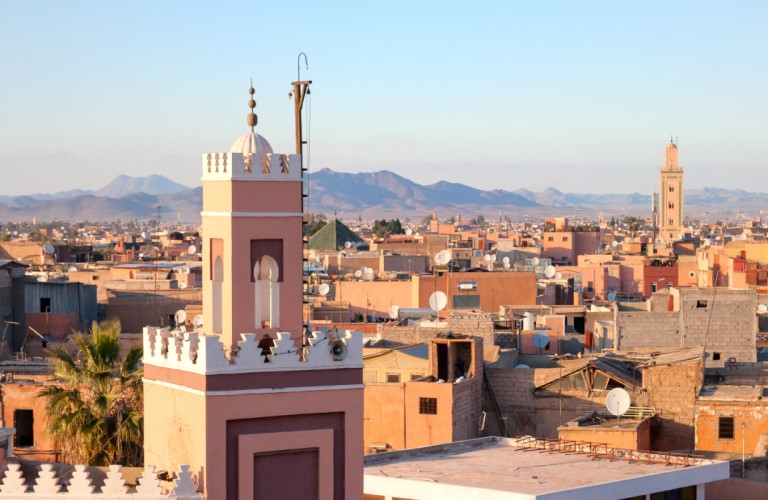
pixel 579 96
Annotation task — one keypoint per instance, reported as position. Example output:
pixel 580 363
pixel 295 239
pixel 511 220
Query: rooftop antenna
pixel 617 402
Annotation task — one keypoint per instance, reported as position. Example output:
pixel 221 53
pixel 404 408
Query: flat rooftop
pixel 489 468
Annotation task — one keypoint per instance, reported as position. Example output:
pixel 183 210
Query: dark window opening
pixel 442 361
pixel 393 377
pixel 45 304
pixel 24 421
pixel 716 356
pixel 725 428
pixel 428 406
pixel 701 304
pixel 653 287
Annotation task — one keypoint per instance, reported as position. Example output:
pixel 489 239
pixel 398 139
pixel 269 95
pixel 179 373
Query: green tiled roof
pixel 332 237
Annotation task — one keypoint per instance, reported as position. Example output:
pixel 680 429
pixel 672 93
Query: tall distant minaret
pixel 671 196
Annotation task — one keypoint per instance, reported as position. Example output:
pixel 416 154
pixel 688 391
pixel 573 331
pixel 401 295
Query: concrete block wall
pixel 467 408
pixel 671 390
pixel 644 329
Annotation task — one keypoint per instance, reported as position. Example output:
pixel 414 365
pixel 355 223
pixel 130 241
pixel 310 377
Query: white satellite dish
pixel 550 272
pixel 617 401
pixel 522 365
pixel 614 243
pixel 181 317
pixel 48 248
pixel 442 257
pixel 558 276
pixel 347 244
pixel 72 269
pixel 438 301
pixel 409 232
pixel 323 289
pixel 42 279
pixel 192 250
pixel 535 261
pixel 394 311
pixel 183 285
pixel 197 321
pixel 367 270
pixel 505 260
pixel 487 257
pixel 540 339
pixel 358 273
pixel 493 257
pixel 762 308
pixel 507 265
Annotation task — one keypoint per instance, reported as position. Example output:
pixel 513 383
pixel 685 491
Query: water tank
pixel 528 322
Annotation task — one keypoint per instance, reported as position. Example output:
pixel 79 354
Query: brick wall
pixel 644 329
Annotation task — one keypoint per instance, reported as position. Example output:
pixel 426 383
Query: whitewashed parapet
pixel 205 354
pixel 78 484
pixel 256 167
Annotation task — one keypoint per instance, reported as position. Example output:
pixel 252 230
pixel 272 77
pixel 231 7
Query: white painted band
pixel 254 391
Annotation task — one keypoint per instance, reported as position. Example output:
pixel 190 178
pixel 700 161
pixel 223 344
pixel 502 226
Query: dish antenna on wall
pixel 535 261
pixel 180 317
pixel 762 308
pixel 197 321
pixel 394 311
pixel 442 257
pixel 347 245
pixel 192 250
pixel 540 340
pixel 323 289
pixel 558 276
pixel 438 301
pixel 550 272
pixel 48 248
pixel 358 273
pixel 72 269
pixel 617 402
pixel 505 261
pixel 487 257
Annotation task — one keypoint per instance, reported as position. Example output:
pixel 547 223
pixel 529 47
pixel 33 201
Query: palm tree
pixel 96 414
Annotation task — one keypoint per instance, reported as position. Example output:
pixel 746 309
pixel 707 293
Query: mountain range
pixel 369 195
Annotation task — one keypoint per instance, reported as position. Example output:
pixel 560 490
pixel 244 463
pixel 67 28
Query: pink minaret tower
pixel 258 408
pixel 671 196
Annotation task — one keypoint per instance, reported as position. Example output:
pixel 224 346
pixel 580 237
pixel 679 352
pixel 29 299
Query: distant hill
pixel 369 195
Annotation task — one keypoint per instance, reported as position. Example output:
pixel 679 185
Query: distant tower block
pixel 671 196
pixel 252 215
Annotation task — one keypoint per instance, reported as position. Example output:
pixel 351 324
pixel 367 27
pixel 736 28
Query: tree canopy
pixel 383 228
pixel 96 413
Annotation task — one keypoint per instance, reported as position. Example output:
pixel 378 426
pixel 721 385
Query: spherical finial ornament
pixel 251 104
pixel 251 90
pixel 252 120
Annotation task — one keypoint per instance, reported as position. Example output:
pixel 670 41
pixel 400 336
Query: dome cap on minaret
pixel 251 143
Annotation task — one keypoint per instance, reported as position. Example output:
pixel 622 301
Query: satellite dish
pixel 197 321
pixel 347 245
pixel 762 308
pixel 540 339
pixel 487 257
pixel 442 257
pixel 181 317
pixel 42 279
pixel 611 296
pixel 192 250
pixel 550 272
pixel 505 260
pixel 358 273
pixel 409 232
pixel 183 285
pixel 522 365
pixel 438 301
pixel 493 257
pixel 507 265
pixel 72 269
pixel 614 243
pixel 323 289
pixel 535 261
pixel 617 401
pixel 367 270
pixel 558 276
pixel 394 312
pixel 48 248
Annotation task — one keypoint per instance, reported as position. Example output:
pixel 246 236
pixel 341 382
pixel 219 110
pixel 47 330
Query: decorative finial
pixel 252 118
pixel 671 139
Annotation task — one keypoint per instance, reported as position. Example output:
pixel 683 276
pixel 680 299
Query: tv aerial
pixel 394 312
pixel 550 272
pixel 540 340
pixel 180 317
pixel 197 321
pixel 438 301
pixel 442 257
pixel 617 402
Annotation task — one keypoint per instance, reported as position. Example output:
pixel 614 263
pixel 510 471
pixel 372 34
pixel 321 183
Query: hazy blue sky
pixel 580 96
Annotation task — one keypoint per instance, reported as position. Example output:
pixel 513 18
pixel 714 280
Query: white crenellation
pixel 205 354
pixel 148 484
pixel 13 482
pixel 46 481
pixel 114 484
pixel 237 166
pixel 81 483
